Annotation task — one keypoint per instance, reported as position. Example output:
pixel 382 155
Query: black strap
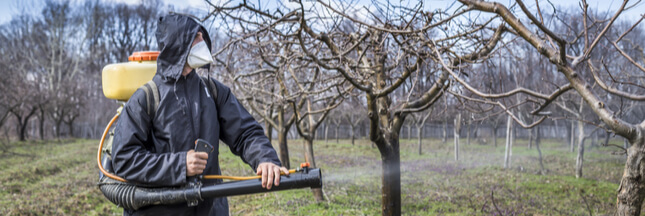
pixel 212 88
pixel 151 88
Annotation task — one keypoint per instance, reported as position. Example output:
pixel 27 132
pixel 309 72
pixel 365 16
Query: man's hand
pixel 270 174
pixel 195 162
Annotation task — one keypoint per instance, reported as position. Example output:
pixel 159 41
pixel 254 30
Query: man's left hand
pixel 270 174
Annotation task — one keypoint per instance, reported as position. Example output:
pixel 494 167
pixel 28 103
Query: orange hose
pixel 98 156
pixel 237 178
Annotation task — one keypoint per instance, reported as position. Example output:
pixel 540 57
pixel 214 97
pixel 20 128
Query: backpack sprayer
pixel 120 81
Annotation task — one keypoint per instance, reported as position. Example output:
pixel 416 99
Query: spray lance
pixel 120 81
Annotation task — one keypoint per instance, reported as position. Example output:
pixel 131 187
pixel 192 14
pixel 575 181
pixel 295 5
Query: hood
pixel 175 34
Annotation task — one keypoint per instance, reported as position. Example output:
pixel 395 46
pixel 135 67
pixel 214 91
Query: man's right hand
pixel 195 162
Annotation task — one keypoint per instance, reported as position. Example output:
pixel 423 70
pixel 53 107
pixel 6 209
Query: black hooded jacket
pixel 152 150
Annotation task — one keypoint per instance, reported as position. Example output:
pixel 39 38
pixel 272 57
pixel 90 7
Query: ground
pixel 59 178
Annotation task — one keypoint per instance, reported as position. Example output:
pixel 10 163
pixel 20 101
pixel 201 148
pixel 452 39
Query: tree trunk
pixel 22 131
pixel 457 126
pixel 495 136
pixel 337 126
pixel 631 191
pixel 21 127
pixel 468 133
pixel 391 179
pixel 283 131
pixel 537 146
pixel 351 131
pixel 70 126
pixel 419 137
pixel 409 131
pixel 573 131
pixel 57 129
pixel 509 144
pixel 309 158
pixel 594 140
pixel 445 132
pixel 326 132
pixel 269 131
pixel 513 135
pixel 568 133
pixel 581 149
pixel 284 150
pixel 42 124
pixel 530 138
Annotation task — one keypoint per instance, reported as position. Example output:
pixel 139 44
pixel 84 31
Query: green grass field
pixel 59 178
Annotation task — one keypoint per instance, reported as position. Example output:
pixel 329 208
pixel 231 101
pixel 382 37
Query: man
pixel 157 150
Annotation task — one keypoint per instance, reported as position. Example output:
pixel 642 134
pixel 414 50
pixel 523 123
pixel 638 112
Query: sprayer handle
pixel 203 146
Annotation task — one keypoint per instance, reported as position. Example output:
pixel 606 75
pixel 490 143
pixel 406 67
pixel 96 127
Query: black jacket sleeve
pixel 241 132
pixel 132 157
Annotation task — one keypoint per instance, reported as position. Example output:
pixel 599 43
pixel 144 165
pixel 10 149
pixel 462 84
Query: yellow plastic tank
pixel 121 80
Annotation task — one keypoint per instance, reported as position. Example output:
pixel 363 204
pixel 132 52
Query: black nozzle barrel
pixel 134 197
pixel 312 179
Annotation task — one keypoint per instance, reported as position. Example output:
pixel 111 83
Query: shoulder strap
pixel 150 88
pixel 212 88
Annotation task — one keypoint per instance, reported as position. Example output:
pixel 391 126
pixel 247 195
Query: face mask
pixel 199 55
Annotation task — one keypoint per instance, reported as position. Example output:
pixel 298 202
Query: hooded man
pixel 157 150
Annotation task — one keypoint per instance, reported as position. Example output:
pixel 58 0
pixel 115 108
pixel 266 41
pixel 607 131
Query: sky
pixel 10 8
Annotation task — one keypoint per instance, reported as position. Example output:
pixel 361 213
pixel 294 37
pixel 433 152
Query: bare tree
pixel 22 93
pixel 353 118
pixel 337 120
pixel 365 61
pixel 420 124
pixel 317 109
pixel 553 47
pixel 537 146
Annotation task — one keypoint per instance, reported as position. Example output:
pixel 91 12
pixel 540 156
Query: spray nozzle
pixel 304 167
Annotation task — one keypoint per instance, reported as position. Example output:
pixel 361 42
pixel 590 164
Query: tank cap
pixel 144 56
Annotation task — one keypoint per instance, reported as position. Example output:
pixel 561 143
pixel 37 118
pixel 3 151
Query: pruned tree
pixel 268 87
pixel 556 50
pixel 372 57
pixel 318 105
pixel 420 124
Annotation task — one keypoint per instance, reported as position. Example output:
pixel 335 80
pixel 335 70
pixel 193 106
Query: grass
pixel 59 178
pixel 55 178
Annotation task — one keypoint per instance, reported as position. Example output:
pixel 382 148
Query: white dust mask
pixel 199 55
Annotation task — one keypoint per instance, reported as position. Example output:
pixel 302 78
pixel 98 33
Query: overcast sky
pixel 10 8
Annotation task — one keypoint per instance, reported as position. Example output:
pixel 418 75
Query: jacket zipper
pixel 189 107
